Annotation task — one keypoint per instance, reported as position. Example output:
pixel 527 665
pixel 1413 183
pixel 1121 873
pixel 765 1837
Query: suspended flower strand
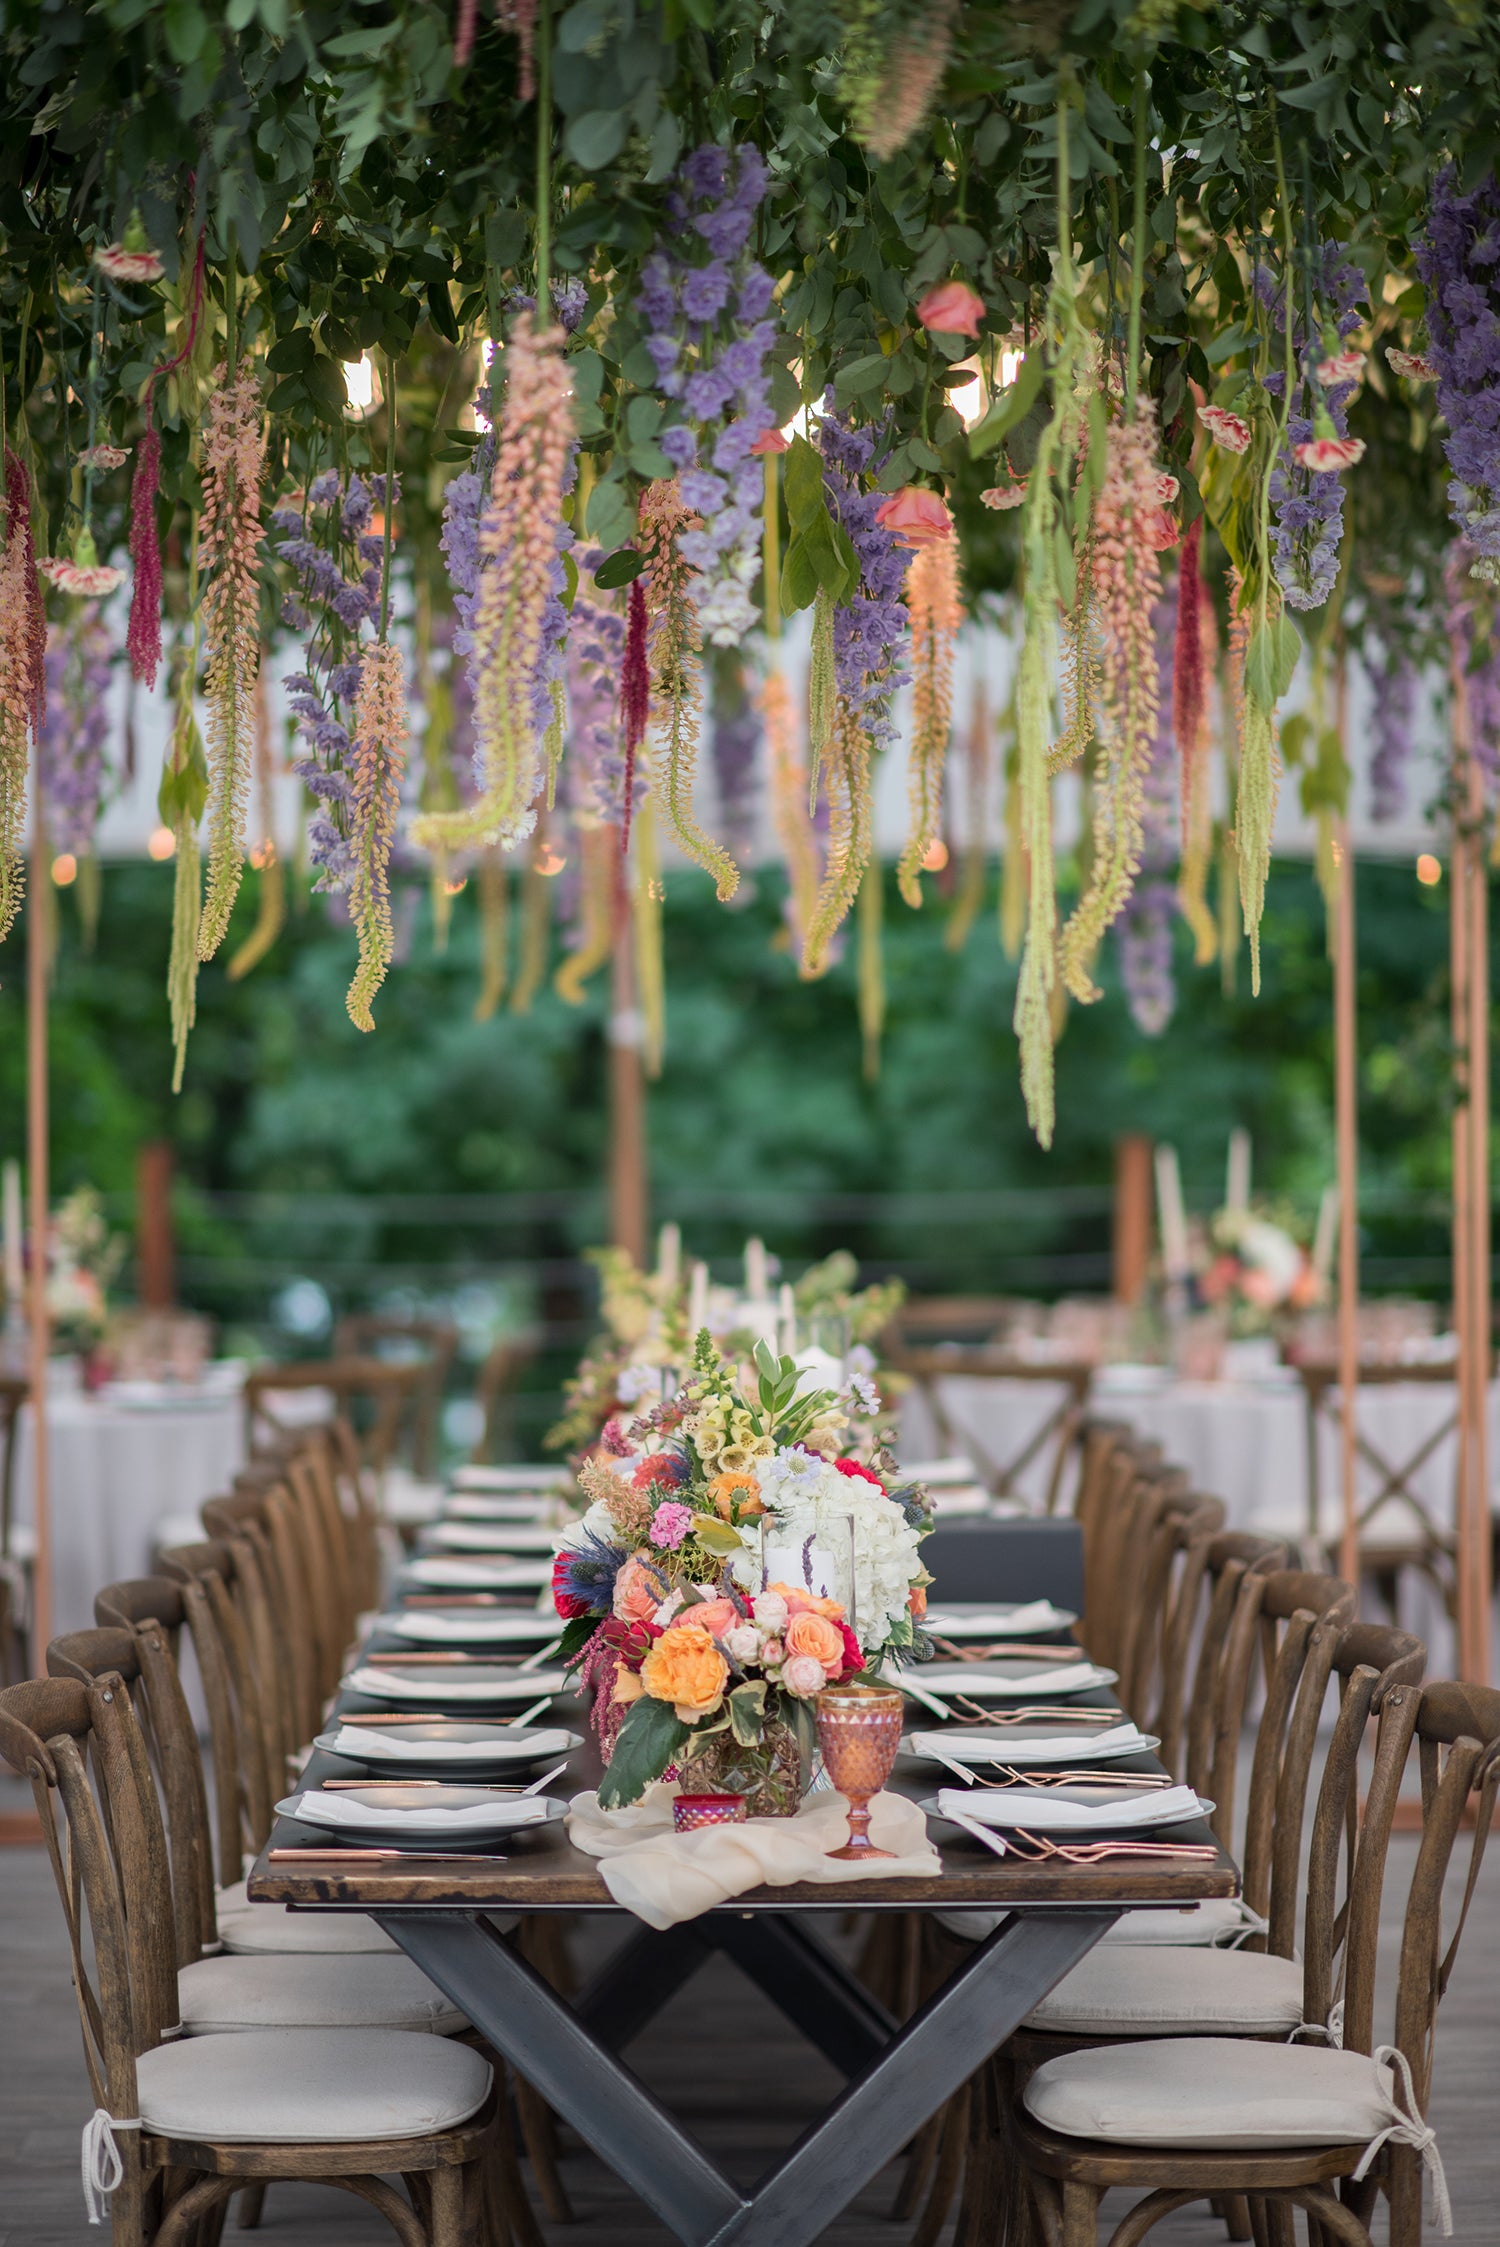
pixel 380 727
pixel 932 595
pixel 676 643
pixel 229 554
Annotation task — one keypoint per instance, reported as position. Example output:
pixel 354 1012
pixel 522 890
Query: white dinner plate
pixel 468 1626
pixel 1068 1811
pixel 458 1572
pixel 472 1683
pixel 1014 1679
pixel 415 1816
pixel 967 1618
pixel 490 1537
pixel 1039 1744
pixel 446 1748
pixel 477 1505
pixel 548 1476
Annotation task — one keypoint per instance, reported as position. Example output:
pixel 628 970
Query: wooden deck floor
pixel 720 2056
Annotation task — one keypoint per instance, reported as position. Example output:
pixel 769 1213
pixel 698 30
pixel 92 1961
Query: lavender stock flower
pixel 734 741
pixel 1457 259
pixel 1308 504
pixel 869 631
pixel 70 748
pixel 1395 707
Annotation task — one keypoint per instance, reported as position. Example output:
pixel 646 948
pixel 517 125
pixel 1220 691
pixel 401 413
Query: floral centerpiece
pixel 735 1558
pixel 1257 1271
pixel 645 1327
pixel 83 1258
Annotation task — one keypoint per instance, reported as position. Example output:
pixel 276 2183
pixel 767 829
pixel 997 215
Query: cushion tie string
pixel 1332 2028
pixel 1408 2129
pixel 103 2170
pixel 1250 1924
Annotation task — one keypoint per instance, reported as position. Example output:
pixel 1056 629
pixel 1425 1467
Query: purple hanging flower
pixel 1308 505
pixel 734 741
pixel 709 336
pixel 1143 932
pixel 1392 722
pixel 595 768
pixel 869 631
pixel 1475 639
pixel 70 747
pixel 1457 259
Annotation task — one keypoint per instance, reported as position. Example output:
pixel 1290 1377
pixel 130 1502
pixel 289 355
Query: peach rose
pixel 730 1490
pixel 952 308
pixel 799 1602
pixel 687 1669
pixel 916 1601
pixel 716 1616
pixel 638 1593
pixel 628 1686
pixel 918 517
pixel 815 1635
pixel 770 441
pixel 804 1675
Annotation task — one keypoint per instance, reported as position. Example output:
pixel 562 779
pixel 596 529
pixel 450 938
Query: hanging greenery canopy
pixel 525 370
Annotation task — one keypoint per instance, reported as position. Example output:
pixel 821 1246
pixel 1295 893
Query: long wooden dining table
pixel 444 1915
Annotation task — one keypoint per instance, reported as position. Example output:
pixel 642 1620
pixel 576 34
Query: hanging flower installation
pixel 1456 257
pixel 229 558
pixel 675 641
pixel 1144 928
pixel 932 596
pixel 379 759
pixel 1306 488
pixel 70 745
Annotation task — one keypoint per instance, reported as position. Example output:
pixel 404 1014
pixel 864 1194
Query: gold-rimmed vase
pixel 859 1731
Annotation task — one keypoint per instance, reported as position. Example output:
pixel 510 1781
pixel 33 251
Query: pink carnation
pixel 92 579
pixel 1167 488
pixel 670 1524
pixel 1228 430
pixel 101 458
pixel 1328 454
pixel 128 265
pixel 1341 366
pixel 1410 364
pixel 1002 496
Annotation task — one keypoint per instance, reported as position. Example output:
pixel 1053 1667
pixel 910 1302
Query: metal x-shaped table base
pixel 904 2081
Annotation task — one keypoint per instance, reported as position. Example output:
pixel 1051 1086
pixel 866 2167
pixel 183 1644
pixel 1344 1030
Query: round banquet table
pixel 117 1467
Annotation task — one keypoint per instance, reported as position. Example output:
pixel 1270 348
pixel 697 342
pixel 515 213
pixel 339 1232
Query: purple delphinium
pixel 705 304
pixel 570 301
pixel 1474 635
pixel 1143 932
pixel 1392 717
pixel 1459 260
pixel 870 630
pixel 595 768
pixel 337 560
pixel 1307 504
pixel 70 747
pixel 734 741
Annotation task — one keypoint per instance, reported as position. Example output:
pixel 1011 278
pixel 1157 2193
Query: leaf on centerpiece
pixel 747 1711
pixel 646 1743
pixel 717 1536
pixel 575 1636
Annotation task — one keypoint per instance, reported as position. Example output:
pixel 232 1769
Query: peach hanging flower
pixel 1326 455
pixel 1230 431
pixel 122 264
pixel 770 441
pixel 102 458
pixel 1341 366
pixel 687 1669
pixel 952 308
pixel 1004 496
pixel 234 451
pixel 380 732
pixel 917 516
pixel 1410 365
pixel 89 580
pixel 932 597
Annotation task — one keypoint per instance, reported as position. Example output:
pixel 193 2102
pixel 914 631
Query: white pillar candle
pixel 1237 1175
pixel 807 1567
pixel 14 1278
pixel 668 1254
pixel 1171 1215
pixel 697 1301
pixel 787 1319
pixel 757 1277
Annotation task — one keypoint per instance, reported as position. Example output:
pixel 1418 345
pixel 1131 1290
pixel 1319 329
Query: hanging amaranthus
pixel 533 468
pixel 1126 577
pixel 228 547
pixel 821 689
pixel 890 96
pixel 1189 669
pixel 871 970
pixel 676 672
pixel 180 800
pixel 969 895
pixel 596 895
pixel 650 975
pixel 933 597
pixel 270 916
pixel 380 727
pixel 635 699
pixel 494 934
pixel 536 926
pixel 18 688
pixel 788 776
pixel 1194 750
pixel 851 834
pixel 32 625
pixel 143 638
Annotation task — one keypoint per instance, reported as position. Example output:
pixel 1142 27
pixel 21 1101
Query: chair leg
pixel 539 2136
pixel 252 2201
pixel 506 2183
pixel 1236 2214
pixel 949 2168
pixel 1080 2215
pixel 452 2208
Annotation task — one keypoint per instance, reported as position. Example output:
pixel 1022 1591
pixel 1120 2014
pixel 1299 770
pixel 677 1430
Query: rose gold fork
pixel 1091 1852
pixel 1135 1782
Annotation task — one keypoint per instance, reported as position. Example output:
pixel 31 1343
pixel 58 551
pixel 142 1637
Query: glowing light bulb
pixel 935 856
pixel 1429 869
pixel 64 869
pixel 359 386
pixel 968 400
pixel 160 843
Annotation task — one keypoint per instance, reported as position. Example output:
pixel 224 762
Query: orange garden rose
pixel 817 1636
pixel 687 1669
pixel 799 1602
pixel 638 1593
pixel 916 1601
pixel 628 1686
pixel 715 1616
pixel 731 1490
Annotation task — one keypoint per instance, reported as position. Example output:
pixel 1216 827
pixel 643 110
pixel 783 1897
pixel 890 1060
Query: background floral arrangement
pixel 1257 1269
pixel 896 315
pixel 672 1614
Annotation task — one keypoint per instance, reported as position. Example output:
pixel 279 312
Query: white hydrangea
pixel 809 1498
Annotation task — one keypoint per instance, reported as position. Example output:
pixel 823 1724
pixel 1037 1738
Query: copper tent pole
pixel 1476 1556
pixel 1346 1108
pixel 37 1183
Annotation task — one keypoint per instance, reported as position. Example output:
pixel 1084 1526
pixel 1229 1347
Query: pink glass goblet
pixel 859 1730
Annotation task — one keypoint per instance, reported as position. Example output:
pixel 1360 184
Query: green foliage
pixel 647 1741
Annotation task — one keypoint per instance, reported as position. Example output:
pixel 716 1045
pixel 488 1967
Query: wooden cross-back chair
pixel 1116 1548
pixel 1152 1645
pixel 1297 2125
pixel 15 1552
pixel 179 2126
pixel 307 1623
pixel 247 1735
pixel 432 1344
pixel 496 1384
pixel 375 1396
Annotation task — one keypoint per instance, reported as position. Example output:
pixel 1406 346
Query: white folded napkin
pixel 446 1684
pixel 990 1747
pixel 664 1877
pixel 367 1744
pixel 472 1630
pixel 477 1575
pixel 344 1811
pixel 995 1622
pixel 1049 1678
pixel 1042 1812
pixel 493 1537
pixel 477 1506
pixel 547 1476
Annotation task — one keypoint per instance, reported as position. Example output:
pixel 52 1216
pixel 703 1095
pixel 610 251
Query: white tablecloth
pixel 114 1472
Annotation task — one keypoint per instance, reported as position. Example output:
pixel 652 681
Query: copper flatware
pixel 1133 1782
pixel 1005 1649
pixel 1091 1852
pixel 451 1599
pixel 1038 1714
pixel 390 1659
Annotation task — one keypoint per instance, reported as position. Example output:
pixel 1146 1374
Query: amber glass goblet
pixel 859 1730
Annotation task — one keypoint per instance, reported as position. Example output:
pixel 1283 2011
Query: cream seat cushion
pixel 1206 2091
pixel 217 1994
pixel 1218 1920
pixel 299 2086
pixel 244 1926
pixel 1153 1991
